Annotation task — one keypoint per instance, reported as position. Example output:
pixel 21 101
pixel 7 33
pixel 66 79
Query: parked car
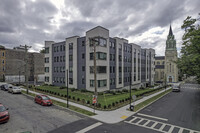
pixel 4 114
pixel 176 87
pixel 14 89
pixel 5 87
pixel 43 100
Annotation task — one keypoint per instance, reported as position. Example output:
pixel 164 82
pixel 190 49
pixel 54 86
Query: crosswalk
pixel 158 126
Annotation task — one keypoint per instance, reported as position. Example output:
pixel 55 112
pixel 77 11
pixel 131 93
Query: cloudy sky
pixel 144 22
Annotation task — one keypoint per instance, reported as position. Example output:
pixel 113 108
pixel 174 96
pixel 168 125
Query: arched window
pixel 158 63
pixel 163 62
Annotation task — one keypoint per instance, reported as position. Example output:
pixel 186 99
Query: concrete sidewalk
pixel 114 116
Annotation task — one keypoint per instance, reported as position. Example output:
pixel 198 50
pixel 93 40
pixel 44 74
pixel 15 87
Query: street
pixel 25 115
pixel 177 112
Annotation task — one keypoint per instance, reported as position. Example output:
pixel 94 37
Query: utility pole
pixel 67 91
pixel 130 90
pixel 26 65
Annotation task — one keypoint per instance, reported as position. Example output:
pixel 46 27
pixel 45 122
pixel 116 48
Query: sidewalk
pixel 114 116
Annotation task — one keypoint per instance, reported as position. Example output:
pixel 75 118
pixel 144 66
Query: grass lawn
pixel 76 109
pixel 104 99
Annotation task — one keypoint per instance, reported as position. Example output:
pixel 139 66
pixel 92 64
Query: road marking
pixel 139 121
pixel 150 116
pixel 123 117
pixel 90 127
pixel 155 123
pixel 162 127
pixel 171 129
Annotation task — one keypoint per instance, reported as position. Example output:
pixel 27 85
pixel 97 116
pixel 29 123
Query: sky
pixel 143 22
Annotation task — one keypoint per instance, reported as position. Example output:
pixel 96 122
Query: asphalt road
pixel 176 112
pixel 25 115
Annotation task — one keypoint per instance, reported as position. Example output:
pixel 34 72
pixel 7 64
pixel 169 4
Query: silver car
pixel 176 87
pixel 14 89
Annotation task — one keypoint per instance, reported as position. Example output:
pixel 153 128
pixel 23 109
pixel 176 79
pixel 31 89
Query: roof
pixel 160 67
pixel 170 31
pixel 159 57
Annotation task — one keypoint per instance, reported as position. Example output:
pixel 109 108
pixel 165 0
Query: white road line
pixel 90 127
pixel 150 116
pixel 139 121
pixel 180 130
pixel 146 123
pixel 162 127
pixel 154 124
pixel 171 129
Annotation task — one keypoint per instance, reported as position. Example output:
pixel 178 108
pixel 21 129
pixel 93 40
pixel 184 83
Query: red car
pixel 4 115
pixel 43 100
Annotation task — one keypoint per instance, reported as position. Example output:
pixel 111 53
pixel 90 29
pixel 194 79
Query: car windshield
pixel 2 109
pixel 45 98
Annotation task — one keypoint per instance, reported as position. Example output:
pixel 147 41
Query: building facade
pixel 12 66
pixel 166 67
pixel 119 64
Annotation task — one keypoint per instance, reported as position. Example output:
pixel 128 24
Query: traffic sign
pixel 94 100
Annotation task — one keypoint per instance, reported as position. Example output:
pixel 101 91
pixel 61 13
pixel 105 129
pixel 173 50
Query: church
pixel 165 66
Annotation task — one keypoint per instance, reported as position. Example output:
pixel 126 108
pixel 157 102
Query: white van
pixel 176 87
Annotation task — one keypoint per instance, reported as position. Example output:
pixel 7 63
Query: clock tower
pixel 171 69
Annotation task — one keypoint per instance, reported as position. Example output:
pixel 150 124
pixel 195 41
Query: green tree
pixel 42 51
pixel 189 62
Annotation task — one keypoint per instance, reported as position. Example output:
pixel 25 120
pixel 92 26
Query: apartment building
pixel 119 63
pixel 12 65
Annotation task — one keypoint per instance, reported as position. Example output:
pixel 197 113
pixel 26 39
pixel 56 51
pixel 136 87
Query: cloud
pixel 144 22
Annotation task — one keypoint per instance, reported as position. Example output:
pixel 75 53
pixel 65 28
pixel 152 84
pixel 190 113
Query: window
pixel 83 56
pixel 57 69
pixel 113 57
pixel 46 50
pixel 70 45
pixel 83 68
pixel 70 57
pixel 2 61
pixel 46 79
pixel 61 47
pixel 158 63
pixel 99 55
pixel 83 43
pixel 57 48
pixel 113 45
pixel 54 69
pixel 110 57
pixel 120 80
pixel 71 81
pixel 54 49
pixel 120 46
pixel 3 68
pixel 91 56
pixel 120 58
pixel 63 80
pixel 46 69
pixel 113 69
pixel 163 62
pixel 54 59
pixel 83 81
pixel 61 69
pixel 100 69
pixel 70 69
pixel 102 83
pixel 110 44
pixel 2 53
pixel 60 80
pixel 46 60
pixel 120 69
pixel 102 42
pixel 91 83
pixel 63 58
pixel 110 69
pixel 125 59
pixel 57 59
pixel 60 58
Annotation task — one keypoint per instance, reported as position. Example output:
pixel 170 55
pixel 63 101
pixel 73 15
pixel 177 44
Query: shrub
pixel 65 96
pixel 134 89
pixel 104 106
pixel 113 104
pixel 74 98
pixel 109 105
pixel 61 95
pixel 88 102
pixel 69 96
pixel 113 93
pixel 116 102
pixel 62 87
pixel 122 100
pixel 78 99
pixel 72 89
pixel 98 105
pixel 83 101
pixel 58 94
pixel 55 93
pixel 100 93
pixel 124 90
pixel 142 88
pixel 83 90
pixel 119 91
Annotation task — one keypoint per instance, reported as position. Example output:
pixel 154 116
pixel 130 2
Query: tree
pixel 42 51
pixel 189 62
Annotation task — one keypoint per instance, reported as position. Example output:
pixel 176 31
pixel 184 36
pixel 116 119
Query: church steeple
pixel 170 31
pixel 171 42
